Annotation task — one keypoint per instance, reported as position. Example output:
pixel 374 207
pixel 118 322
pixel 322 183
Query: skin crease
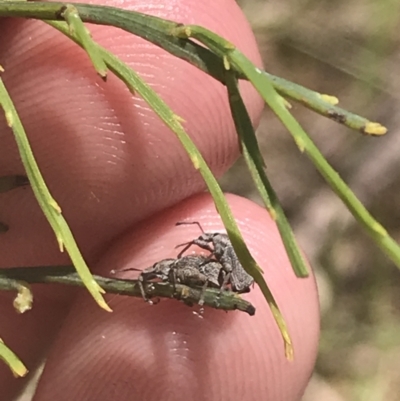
pixel 117 171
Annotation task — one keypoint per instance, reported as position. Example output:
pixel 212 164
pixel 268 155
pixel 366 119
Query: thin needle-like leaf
pixel 235 59
pixel 255 163
pixel 16 366
pixel 71 16
pixel 157 31
pixel 220 56
pixel 47 203
pixel 137 85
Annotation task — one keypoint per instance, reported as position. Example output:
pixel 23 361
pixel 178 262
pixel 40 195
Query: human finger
pixel 168 351
pixel 107 158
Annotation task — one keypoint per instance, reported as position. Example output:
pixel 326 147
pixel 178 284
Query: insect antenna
pixel 125 270
pixel 181 223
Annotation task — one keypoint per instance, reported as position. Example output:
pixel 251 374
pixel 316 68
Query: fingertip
pixel 172 352
pixel 106 156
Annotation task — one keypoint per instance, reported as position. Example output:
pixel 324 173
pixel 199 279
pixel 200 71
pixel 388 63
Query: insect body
pixel 192 271
pixel 196 270
pixel 221 248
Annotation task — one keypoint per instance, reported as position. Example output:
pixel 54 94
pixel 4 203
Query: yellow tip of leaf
pixel 104 305
pixel 20 371
pixel 103 74
pixel 195 162
pixel 289 352
pixel 60 243
pixel 227 65
pixel 333 100
pixel 9 119
pixel 287 104
pixel 179 119
pixel 55 206
pixel 375 129
pixel 17 367
pixel 272 213
pixel 96 292
pixel 1 68
pixel 300 144
pixel 229 45
pixel 378 228
pixel 188 31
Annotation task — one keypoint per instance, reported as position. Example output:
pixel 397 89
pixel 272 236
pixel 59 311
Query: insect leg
pixel 172 276
pixel 226 281
pixel 203 290
pixel 186 245
pixel 141 283
pixel 199 242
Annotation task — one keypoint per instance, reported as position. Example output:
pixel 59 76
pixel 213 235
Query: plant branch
pixel 47 203
pixel 66 275
pixel 138 85
pixel 158 31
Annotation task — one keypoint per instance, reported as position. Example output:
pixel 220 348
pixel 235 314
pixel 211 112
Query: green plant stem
pixel 235 59
pixel 137 85
pixel 317 102
pixel 76 27
pixel 157 31
pixel 49 206
pixel 66 275
pixel 255 164
pixel 176 39
pixel 10 359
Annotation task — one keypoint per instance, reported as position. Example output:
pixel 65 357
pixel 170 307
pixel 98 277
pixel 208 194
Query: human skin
pixel 123 181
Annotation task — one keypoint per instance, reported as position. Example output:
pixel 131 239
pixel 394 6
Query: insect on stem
pixel 221 249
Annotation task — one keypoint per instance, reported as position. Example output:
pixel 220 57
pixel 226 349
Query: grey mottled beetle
pixel 195 270
pixel 221 248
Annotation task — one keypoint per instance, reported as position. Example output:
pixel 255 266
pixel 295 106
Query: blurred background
pixel 349 49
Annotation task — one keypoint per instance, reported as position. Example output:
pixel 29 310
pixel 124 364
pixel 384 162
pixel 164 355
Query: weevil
pixel 194 270
pixel 222 250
